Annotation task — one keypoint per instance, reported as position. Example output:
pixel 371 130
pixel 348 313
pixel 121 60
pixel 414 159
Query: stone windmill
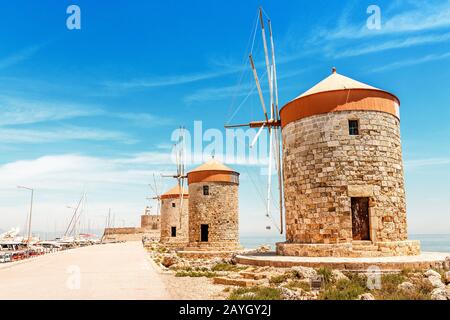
pixel 174 202
pixel 342 176
pixel 271 120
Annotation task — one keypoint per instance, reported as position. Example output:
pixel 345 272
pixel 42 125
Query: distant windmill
pixel 180 159
pixel 271 121
pixel 156 186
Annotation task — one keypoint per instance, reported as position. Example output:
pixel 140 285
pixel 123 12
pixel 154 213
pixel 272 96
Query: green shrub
pixel 389 289
pixel 196 274
pixel 202 269
pixel 256 293
pixel 294 284
pixel 360 279
pixel 326 273
pixel 343 290
pixel 280 278
pixel 227 267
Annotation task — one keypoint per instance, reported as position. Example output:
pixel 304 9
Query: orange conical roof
pixel 335 82
pixel 213 171
pixel 212 165
pixel 174 192
pixel 339 93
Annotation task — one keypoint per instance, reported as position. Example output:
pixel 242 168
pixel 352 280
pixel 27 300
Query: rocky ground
pixel 224 279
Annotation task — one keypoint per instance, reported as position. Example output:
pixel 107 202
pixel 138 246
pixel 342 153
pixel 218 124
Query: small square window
pixel 173 232
pixel 206 190
pixel 353 127
pixel 173 205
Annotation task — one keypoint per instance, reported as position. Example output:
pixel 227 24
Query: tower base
pixel 353 249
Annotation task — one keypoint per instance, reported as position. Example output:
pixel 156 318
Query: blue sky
pixel 95 108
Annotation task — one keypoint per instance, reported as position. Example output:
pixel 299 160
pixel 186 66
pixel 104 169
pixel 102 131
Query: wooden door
pixel 360 219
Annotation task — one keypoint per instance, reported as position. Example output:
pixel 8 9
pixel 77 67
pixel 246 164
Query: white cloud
pixel 59 180
pixel 417 163
pixel 219 93
pixel 414 61
pixel 19 56
pixel 158 81
pixel 394 44
pixel 422 17
pixel 142 119
pixel 404 25
pixel 16 111
pixel 65 133
pixel 244 89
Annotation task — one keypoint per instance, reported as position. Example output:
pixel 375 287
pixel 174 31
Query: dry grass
pixel 256 293
pixel 196 274
pixel 296 284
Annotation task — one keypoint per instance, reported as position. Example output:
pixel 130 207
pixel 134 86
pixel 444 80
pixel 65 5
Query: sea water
pixel 428 242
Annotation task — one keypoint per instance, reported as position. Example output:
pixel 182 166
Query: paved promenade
pixel 110 271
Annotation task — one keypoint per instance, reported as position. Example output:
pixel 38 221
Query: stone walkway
pixel 111 271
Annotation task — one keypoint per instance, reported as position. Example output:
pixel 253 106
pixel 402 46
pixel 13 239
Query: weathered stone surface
pixel 174 214
pixel 406 286
pixel 151 222
pixel 288 294
pixel 130 234
pixel 432 273
pixel 304 272
pixel 219 210
pixel 439 294
pixel 253 275
pixel 263 248
pixel 386 264
pixel 434 278
pixel 236 281
pixel 366 296
pixel 169 260
pixel 360 191
pixel 436 282
pixel 324 167
pixel 179 265
pixel 206 253
pixel 447 263
pixel 337 275
pixel 380 249
pixel 447 277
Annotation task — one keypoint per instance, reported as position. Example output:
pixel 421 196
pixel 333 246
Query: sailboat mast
pixel 73 216
pixel 29 220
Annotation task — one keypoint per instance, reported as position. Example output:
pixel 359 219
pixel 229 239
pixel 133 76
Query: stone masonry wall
pixel 129 234
pixel 324 167
pixel 152 222
pixel 220 210
pixel 170 217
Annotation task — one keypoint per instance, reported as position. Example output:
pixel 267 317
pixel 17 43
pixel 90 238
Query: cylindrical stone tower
pixel 343 172
pixel 146 221
pixel 150 221
pixel 213 207
pixel 174 218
